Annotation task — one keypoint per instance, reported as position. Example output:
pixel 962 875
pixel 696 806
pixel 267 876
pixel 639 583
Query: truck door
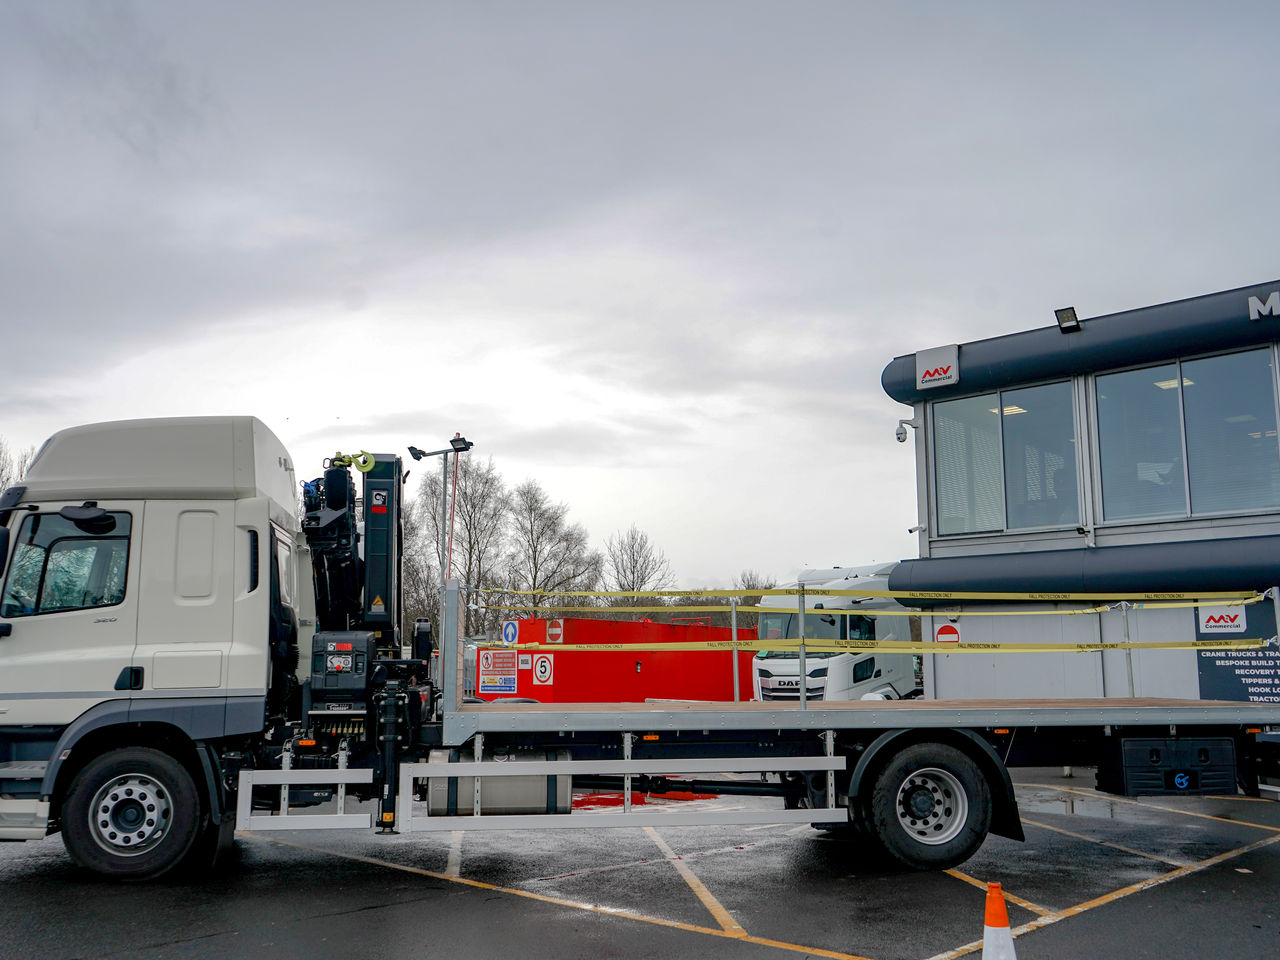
pixel 68 612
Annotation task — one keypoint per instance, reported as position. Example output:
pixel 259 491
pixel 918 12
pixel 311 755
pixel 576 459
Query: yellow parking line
pixel 1107 843
pixel 714 906
pixel 982 885
pixel 560 902
pixel 1094 795
pixel 1113 896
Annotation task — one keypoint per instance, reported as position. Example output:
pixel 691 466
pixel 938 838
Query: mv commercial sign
pixel 938 367
pixel 1249 675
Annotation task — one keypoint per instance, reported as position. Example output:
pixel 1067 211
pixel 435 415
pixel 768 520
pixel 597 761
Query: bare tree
pixel 419 577
pixel 546 552
pixel 481 510
pixel 632 562
pixel 747 581
pixel 13 463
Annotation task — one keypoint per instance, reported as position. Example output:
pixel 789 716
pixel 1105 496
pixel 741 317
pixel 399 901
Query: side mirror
pixel 87 512
pixel 90 518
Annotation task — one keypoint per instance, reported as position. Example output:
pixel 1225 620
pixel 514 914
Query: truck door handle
pixel 130 679
pixel 6 629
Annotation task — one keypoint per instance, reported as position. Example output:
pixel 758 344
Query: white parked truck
pixel 835 674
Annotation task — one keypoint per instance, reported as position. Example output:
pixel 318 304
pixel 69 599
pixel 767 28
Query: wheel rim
pixel 932 806
pixel 130 814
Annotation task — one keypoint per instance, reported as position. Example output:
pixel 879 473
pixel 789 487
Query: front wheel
pixel 931 807
pixel 131 814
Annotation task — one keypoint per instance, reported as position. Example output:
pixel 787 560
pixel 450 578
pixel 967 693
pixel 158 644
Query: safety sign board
pixel 555 631
pixel 377 606
pixel 543 668
pixel 379 504
pixel 526 661
pixel 947 633
pixel 509 632
pixel 496 671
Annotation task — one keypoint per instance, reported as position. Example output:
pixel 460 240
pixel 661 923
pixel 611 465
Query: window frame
pixel 1095 439
pixel 1004 529
pixel 48 549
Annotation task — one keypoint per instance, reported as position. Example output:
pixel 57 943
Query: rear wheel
pixel 131 814
pixel 931 807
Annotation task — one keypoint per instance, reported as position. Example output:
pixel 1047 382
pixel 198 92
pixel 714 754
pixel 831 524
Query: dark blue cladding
pixel 1206 566
pixel 1149 335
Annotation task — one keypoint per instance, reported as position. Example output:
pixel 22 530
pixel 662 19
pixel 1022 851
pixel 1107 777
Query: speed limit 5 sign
pixel 543 668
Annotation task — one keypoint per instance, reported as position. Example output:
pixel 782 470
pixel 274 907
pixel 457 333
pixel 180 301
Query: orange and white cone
pixel 997 941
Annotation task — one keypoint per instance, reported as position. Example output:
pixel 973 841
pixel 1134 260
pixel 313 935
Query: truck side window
pixel 864 670
pixel 59 565
pixel 861 628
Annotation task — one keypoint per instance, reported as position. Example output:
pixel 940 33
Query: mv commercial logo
pixel 1222 619
pixel 1270 307
pixel 939 367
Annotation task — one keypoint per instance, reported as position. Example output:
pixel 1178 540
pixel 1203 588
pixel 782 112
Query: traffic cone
pixel 997 941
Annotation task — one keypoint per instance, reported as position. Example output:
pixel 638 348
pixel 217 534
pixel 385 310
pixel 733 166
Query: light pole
pixel 458 445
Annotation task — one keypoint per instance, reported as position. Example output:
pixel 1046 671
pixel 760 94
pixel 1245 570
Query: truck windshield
pixel 817 626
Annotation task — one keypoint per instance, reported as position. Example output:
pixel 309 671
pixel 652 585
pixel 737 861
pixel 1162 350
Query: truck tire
pixel 931 807
pixel 131 814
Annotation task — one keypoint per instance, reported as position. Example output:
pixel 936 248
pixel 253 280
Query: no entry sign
pixel 948 633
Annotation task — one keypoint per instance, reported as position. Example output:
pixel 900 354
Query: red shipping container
pixel 590 676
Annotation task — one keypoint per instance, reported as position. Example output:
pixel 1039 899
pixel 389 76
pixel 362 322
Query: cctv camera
pixel 901 433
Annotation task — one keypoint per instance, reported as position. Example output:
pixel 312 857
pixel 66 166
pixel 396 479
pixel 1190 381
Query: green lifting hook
pixel 363 461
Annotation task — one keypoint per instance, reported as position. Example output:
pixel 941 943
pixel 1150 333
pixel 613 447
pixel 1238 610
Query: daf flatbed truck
pixel 181 655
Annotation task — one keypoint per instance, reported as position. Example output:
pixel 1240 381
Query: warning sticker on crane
pixel 496 671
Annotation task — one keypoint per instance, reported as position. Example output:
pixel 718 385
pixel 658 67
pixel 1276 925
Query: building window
pixel 1140 443
pixel 1006 461
pixel 1038 431
pixel 1212 421
pixel 1229 408
pixel 966 455
pixel 60 565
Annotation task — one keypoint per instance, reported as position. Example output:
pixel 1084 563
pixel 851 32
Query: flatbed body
pixel 497 718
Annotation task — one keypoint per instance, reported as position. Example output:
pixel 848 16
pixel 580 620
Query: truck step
pixel 23 769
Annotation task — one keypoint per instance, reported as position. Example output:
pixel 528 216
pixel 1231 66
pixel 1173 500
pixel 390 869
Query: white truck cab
pixel 148 565
pixel 836 675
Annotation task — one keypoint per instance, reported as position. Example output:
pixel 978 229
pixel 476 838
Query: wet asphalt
pixel 1099 877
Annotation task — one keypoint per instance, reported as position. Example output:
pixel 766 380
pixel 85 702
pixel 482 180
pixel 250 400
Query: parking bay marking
pixel 714 906
pixel 1094 795
pixel 561 902
pixel 981 885
pixel 1106 843
pixel 1115 895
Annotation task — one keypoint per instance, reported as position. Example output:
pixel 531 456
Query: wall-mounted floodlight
pixel 901 432
pixel 460 443
pixel 1068 322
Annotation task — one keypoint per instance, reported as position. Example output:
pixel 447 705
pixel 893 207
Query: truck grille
pixel 812 693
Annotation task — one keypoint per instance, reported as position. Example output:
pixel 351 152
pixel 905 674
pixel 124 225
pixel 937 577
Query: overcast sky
pixel 654 255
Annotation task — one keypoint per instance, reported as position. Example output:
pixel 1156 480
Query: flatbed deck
pixel 857 714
